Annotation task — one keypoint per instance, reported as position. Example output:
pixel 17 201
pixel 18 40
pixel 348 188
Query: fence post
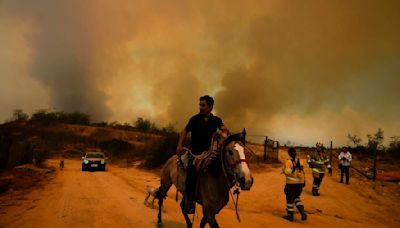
pixel 330 160
pixel 244 136
pixel 265 148
pixel 375 156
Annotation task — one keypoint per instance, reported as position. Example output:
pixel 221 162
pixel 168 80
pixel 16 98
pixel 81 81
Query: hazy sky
pixel 303 71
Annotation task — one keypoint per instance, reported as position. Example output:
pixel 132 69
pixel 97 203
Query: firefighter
pixel 318 162
pixel 295 182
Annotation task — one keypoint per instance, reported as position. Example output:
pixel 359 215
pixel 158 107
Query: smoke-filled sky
pixel 303 71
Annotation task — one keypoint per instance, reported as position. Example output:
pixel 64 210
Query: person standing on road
pixel 295 182
pixel 318 162
pixel 345 161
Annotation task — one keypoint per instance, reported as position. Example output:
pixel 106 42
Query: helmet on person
pixel 319 146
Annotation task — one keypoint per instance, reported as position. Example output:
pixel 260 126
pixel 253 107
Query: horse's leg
pixel 209 216
pixel 161 193
pixel 152 202
pixel 187 219
pixel 213 222
pixel 147 197
pixel 203 222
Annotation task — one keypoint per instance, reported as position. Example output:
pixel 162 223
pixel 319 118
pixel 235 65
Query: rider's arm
pixel 222 127
pixel 225 131
pixel 182 137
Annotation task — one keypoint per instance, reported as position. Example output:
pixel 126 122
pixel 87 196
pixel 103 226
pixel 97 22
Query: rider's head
pixel 206 104
pixel 292 152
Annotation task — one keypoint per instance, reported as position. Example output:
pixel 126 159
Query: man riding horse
pixel 202 127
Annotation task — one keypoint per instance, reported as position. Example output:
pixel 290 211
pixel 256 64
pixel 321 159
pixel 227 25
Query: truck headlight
pixel 86 161
pixel 102 162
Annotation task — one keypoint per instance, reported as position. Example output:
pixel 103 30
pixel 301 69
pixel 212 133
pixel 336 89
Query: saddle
pixel 203 161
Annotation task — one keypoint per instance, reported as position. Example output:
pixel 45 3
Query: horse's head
pixel 235 161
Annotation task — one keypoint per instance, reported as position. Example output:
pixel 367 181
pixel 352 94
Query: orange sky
pixel 302 71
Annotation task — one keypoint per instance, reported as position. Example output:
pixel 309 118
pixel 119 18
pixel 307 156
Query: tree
pixel 19 115
pixel 169 129
pixel 144 125
pixel 354 139
pixel 394 141
pixel 376 141
pixel 394 146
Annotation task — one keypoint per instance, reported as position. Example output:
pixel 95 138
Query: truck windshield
pixel 96 155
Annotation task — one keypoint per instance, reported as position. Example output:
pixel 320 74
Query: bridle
pixel 231 166
pixel 236 163
pixel 221 147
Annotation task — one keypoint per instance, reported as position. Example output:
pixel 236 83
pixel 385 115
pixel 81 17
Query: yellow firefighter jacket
pixel 318 162
pixel 293 173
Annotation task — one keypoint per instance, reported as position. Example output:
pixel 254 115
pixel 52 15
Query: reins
pixel 237 191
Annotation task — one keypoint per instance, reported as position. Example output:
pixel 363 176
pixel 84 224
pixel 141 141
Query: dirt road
pixel 115 199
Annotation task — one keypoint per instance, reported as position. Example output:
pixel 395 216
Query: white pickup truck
pixel 94 161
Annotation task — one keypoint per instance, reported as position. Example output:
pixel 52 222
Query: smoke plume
pixel 299 71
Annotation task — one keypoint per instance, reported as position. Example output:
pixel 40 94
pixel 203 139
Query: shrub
pixel 19 115
pixel 100 124
pixel 40 156
pixel 394 146
pixel 45 116
pixel 144 125
pixel 158 152
pixel 115 146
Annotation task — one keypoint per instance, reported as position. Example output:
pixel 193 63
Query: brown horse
pixel 228 169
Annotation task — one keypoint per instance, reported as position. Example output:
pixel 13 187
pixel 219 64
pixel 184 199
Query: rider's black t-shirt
pixel 202 131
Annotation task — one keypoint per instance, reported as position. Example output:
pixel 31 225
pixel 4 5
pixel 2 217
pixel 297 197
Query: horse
pixel 228 169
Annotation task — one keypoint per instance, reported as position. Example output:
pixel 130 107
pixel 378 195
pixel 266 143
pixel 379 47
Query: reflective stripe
pixel 290 209
pixel 294 179
pixel 296 200
pixel 314 186
pixel 289 205
pixel 299 203
pixel 318 170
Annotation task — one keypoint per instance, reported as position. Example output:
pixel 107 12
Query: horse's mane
pixel 235 137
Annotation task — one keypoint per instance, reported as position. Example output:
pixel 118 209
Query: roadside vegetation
pixel 33 138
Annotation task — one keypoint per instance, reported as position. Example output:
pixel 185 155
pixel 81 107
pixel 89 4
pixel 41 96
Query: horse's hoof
pixel 160 224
